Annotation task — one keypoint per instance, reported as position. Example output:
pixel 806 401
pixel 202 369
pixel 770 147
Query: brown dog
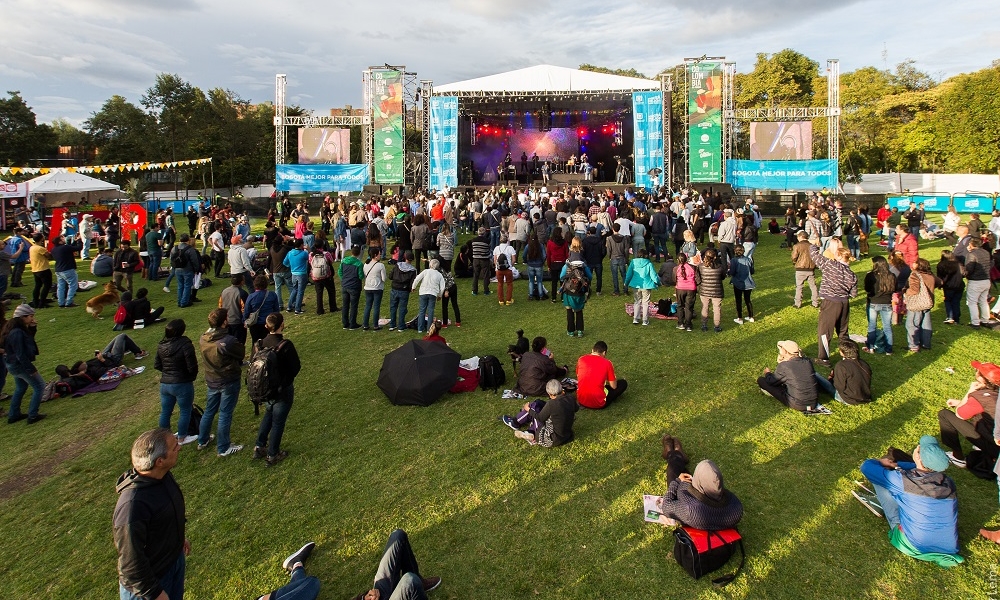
pixel 97 304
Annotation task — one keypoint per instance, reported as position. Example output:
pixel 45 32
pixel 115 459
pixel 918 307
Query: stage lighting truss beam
pixel 426 91
pixel 282 121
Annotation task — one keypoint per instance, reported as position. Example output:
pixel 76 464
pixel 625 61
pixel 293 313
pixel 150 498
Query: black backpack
pixel 194 425
pixel 503 264
pixel 701 552
pixel 263 378
pixel 177 258
pixel 575 282
pixel 491 374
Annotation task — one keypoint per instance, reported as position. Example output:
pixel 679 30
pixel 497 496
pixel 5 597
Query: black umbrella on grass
pixel 418 372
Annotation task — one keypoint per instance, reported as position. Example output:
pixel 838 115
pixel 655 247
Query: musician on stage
pixel 546 170
pixel 524 162
pixel 571 163
pixel 583 160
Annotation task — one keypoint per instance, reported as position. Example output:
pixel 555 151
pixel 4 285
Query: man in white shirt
pixel 218 245
pixel 239 261
pixel 505 275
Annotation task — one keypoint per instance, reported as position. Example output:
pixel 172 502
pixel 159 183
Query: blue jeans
pixel 185 283
pixel 617 266
pixel 170 277
pixel 853 245
pixel 373 299
pixel 66 286
pixel 425 315
pixel 889 506
pixel 494 238
pixel 349 306
pixel 398 575
pixel 181 394
pixel 892 239
pixel 597 276
pixel 172 583
pixel 659 244
pixel 297 290
pixel 272 424
pixel 301 587
pixel 281 281
pixel 153 272
pixel 21 383
pixel 535 277
pixel 827 386
pixel 398 300
pixel 85 253
pixel 223 401
pixel 885 312
pixel 918 329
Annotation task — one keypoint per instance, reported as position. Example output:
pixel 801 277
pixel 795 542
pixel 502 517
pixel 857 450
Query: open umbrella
pixel 418 372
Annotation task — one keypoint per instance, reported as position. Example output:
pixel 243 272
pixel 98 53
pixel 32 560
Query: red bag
pixel 468 381
pixel 120 315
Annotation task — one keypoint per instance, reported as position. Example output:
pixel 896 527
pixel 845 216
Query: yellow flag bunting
pixel 139 166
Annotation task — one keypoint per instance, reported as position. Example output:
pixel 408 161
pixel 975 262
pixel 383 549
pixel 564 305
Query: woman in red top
pixel 433 333
pixel 556 253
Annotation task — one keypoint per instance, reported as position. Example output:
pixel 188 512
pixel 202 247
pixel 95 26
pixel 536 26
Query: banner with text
pixel 443 159
pixel 387 125
pixel 932 203
pixel 647 118
pixel 782 174
pixel 705 122
pixel 320 178
pixel 971 203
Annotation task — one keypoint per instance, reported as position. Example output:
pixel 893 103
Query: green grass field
pixel 491 515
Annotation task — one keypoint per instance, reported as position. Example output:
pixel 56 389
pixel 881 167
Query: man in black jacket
pixel 149 521
pixel 272 425
pixel 126 260
pixel 550 423
pixel 593 255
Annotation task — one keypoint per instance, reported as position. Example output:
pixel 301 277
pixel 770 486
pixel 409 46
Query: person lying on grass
pixel 702 500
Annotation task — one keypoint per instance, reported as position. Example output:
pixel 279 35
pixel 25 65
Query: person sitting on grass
pixel 398 574
pixel 537 368
pixel 792 382
pixel 302 586
pixel 918 500
pixel 434 333
pixel 549 423
pixel 597 385
pixel 972 417
pixel 850 381
pixel 700 501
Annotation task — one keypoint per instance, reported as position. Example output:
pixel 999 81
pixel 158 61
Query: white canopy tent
pixel 60 187
pixel 548 79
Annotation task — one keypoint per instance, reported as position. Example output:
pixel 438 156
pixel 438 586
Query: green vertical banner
pixel 387 125
pixel 705 122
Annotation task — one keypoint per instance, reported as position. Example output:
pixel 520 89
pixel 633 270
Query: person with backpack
pixel 711 273
pixel 401 278
pixel 233 299
pixel 351 271
pixel 374 272
pixel 641 276
pixel 178 363
pixel 321 273
pixel 280 367
pixel 574 287
pixel 432 286
pixel 257 306
pixel 223 358
pixel 741 272
pixel 503 259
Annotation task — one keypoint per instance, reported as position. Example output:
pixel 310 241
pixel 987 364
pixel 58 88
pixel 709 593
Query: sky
pixel 67 57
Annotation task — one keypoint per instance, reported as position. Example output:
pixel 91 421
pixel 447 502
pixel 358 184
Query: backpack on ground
pixel 318 267
pixel 575 282
pixel 177 259
pixel 491 373
pixel 194 425
pixel 701 552
pixel 263 378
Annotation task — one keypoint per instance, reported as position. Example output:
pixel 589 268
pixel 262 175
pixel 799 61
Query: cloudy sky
pixel 68 56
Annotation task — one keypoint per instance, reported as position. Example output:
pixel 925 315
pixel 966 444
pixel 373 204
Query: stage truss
pixel 282 121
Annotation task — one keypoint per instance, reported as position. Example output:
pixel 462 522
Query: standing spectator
pixel 185 262
pixel 6 264
pixel 504 256
pixel 277 252
pixel 41 272
pixel 906 244
pixel 374 272
pixel 297 261
pixel 223 357
pixel 272 424
pixel 86 236
pixel 240 260
pixel 686 277
pixel 401 278
pixel 727 238
pixel 880 285
pixel 351 274
pixel 419 240
pixel 534 259
pixel 597 384
pixel 233 299
pixel 593 254
pixel 113 227
pixel 574 287
pixel 64 255
pixel 481 269
pixel 617 245
pixel 176 359
pixel 431 287
pixel 257 306
pixel 450 295
pixel 977 273
pixel 949 270
pixel 18 342
pixel 712 273
pixel 19 247
pixel 126 261
pixel 149 521
pixel 641 276
pixel 218 249
pixel 838 285
pixel 321 273
pixel 556 254
pixel 154 251
pixel 446 246
pixel 805 269
pixel 918 322
pixel 741 272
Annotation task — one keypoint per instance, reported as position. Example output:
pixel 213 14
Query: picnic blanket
pixel 97 386
pixel 654 311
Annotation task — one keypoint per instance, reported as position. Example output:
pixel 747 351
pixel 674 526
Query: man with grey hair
pixel 550 423
pixel 149 521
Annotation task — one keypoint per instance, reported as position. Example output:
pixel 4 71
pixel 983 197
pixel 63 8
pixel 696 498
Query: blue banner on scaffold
pixel 782 174
pixel 932 203
pixel 647 118
pixel 443 158
pixel 320 178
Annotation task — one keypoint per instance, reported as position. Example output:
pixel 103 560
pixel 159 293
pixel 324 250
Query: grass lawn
pixel 491 515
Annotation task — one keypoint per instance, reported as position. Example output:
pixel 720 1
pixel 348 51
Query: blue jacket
pixel 641 275
pixel 741 270
pixel 297 261
pixel 539 262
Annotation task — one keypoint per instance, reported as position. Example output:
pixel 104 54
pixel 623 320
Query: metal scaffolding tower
pixel 666 92
pixel 426 91
pixel 282 121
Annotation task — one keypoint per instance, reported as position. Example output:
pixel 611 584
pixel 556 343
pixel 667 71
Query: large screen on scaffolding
pixel 785 140
pixel 324 146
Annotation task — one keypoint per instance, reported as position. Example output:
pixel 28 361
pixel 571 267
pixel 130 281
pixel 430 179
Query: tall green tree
pixel 122 132
pixel 180 109
pixel 968 122
pixel 783 79
pixel 22 139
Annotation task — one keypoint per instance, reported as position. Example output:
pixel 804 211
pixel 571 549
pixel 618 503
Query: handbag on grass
pixel 701 552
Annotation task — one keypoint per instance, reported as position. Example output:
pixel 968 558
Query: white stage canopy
pixel 548 78
pixel 924 183
pixel 58 182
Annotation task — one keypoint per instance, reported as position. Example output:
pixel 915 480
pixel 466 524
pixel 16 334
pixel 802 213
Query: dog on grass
pixel 518 348
pixel 109 298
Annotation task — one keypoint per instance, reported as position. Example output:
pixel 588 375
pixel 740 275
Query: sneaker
pixel 718 329
pixel 166 289
pixel 143 354
pixel 822 361
pixel 203 446
pixel 870 502
pixel 949 321
pixel 377 328
pixel 704 327
pixel 738 321
pixel 765 392
pixel 645 323
pixel 688 329
pixel 187 439
pixel 526 436
pixel 259 453
pixel 508 421
pixel 457 324
pixel 11 419
pixel 392 328
pixel 232 449
pixel 958 462
pixel 750 319
pixel 430 583
pixel 509 302
pixel 475 293
pixel 35 419
pixel 299 556
pixel 680 327
pixel 571 333
pixel 579 334
pixel 501 303
pixel 635 321
pixel 277 458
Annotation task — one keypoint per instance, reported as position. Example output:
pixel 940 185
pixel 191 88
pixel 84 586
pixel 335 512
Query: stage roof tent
pixel 545 79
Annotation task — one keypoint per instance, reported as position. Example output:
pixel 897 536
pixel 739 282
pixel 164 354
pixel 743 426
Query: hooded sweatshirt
pixel 704 503
pixel 148 530
pixel 223 355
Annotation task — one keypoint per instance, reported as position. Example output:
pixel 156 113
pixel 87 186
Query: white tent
pixel 548 78
pixel 60 187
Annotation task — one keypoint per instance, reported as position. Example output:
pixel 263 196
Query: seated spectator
pixel 434 333
pixel 141 308
pixel 792 382
pixel 700 501
pixel 850 381
pixel 302 586
pixel 972 417
pixel 596 382
pixel 918 500
pixel 549 423
pixel 398 575
pixel 103 264
pixel 537 368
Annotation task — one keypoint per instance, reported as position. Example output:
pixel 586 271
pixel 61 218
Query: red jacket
pixel 908 248
pixel 556 253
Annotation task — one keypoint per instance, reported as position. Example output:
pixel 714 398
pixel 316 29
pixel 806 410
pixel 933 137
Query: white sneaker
pixel 525 435
pixel 186 439
pixel 750 319
pixel 738 321
pixel 210 438
pixel 232 449
pixel 166 289
pixel 958 462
